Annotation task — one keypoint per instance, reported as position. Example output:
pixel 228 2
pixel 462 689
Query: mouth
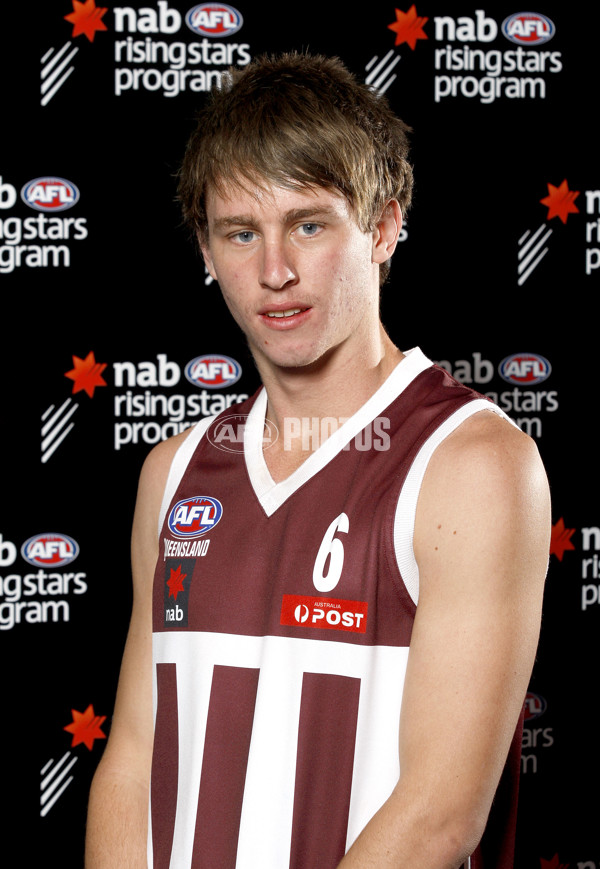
pixel 290 312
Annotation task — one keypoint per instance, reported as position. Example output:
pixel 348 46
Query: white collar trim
pixel 272 495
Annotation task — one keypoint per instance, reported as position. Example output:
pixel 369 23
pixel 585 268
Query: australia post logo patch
pixel 324 612
pixel 194 516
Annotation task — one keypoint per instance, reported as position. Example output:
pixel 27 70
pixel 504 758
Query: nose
pixel 277 268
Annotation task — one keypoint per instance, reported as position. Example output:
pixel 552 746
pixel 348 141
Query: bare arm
pixel 481 542
pixel 118 806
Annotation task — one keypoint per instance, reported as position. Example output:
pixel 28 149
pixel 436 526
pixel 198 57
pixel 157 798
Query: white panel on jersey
pixel 376 760
pixel 269 791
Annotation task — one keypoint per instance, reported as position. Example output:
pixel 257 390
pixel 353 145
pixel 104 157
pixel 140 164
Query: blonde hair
pixel 297 121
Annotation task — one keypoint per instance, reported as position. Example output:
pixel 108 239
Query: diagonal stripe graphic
pixel 54 431
pixel 49 74
pixel 376 78
pixel 53 785
pixel 529 253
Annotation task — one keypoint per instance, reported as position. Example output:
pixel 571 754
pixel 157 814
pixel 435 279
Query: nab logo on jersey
pixel 50 194
pixel 50 550
pixel 178 579
pixel 525 368
pixel 213 372
pixel 214 19
pixel 528 28
pixel 194 516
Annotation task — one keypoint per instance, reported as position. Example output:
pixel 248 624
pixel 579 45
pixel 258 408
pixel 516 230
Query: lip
pixel 284 315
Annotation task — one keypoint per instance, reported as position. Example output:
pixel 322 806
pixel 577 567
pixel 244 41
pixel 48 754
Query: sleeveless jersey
pixel 282 617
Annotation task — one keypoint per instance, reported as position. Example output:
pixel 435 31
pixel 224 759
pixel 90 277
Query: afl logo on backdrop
pixel 213 372
pixel 525 368
pixel 528 28
pixel 50 194
pixel 50 550
pixel 534 706
pixel 214 19
pixel 194 516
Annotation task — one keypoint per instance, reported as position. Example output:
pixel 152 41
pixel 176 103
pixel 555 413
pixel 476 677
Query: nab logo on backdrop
pixel 42 596
pixel 467 67
pixel 169 66
pixel 138 410
pixel 213 372
pixel 47 195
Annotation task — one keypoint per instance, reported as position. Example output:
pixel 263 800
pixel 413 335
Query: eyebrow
pixel 291 216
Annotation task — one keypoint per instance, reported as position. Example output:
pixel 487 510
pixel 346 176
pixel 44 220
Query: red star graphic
pixel 175 582
pixel 553 864
pixel 560 539
pixel 86 727
pixel 408 27
pixel 86 18
pixel 560 201
pixel 87 374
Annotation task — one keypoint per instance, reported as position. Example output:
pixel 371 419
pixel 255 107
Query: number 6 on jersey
pixel 333 548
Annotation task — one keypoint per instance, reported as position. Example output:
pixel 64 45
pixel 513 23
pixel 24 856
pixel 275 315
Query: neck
pixel 299 398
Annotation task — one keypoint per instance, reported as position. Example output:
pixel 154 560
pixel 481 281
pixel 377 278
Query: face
pixel 299 276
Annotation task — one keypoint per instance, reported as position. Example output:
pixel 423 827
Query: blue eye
pixel 245 236
pixel 309 228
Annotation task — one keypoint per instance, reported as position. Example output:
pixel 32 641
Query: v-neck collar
pixel 272 495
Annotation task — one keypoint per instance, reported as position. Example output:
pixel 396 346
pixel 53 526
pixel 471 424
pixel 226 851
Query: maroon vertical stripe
pixel 228 732
pixel 165 764
pixel 326 740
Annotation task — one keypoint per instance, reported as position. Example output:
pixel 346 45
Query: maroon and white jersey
pixel 282 621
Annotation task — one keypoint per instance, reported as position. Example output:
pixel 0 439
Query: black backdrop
pixel 105 301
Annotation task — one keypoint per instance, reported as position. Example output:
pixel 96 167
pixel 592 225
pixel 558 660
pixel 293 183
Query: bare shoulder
pixel 155 470
pixel 487 449
pixel 151 486
pixel 485 487
pixel 157 463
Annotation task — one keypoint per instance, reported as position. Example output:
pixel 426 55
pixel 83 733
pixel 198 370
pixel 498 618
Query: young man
pixel 344 626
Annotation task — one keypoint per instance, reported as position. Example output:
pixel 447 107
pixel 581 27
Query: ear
pixel 387 230
pixel 205 249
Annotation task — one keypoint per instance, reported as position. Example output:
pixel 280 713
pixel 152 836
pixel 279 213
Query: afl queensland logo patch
pixel 194 516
